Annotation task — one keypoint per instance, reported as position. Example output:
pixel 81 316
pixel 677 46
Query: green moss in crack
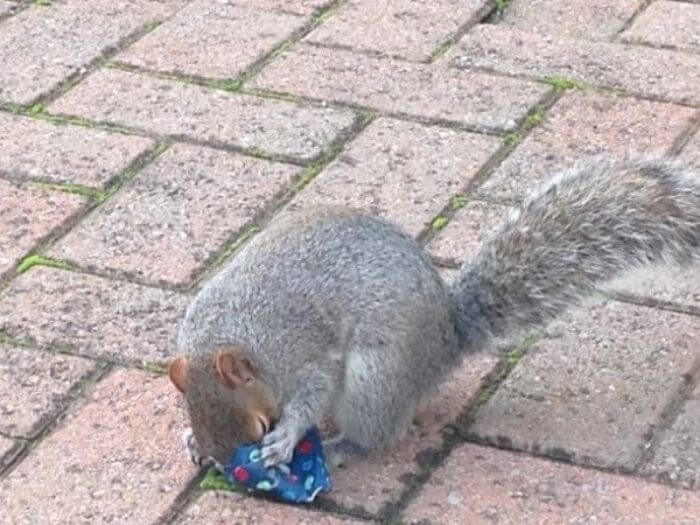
pixel 514 357
pixel 214 480
pixel 534 118
pixel 324 12
pixel 501 6
pixel 231 84
pixel 151 25
pixel 235 245
pixel 442 49
pixel 459 201
pixel 563 83
pixel 40 260
pixel 512 139
pixel 77 189
pixel 274 95
pixel 36 109
pixel 439 223
pixel 154 368
pixel 43 3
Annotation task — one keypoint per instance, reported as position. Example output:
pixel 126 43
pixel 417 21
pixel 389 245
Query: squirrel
pixel 338 312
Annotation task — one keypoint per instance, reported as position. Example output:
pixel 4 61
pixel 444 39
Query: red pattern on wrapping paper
pixel 241 474
pixel 305 447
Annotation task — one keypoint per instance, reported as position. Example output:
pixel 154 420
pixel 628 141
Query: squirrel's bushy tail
pixel 585 227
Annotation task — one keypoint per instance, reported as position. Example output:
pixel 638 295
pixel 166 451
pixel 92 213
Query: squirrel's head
pixel 227 402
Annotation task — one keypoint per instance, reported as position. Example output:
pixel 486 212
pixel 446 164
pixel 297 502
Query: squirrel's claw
pixel 278 446
pixel 192 449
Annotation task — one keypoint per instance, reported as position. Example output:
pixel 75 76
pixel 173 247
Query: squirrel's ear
pixel 234 368
pixel 177 371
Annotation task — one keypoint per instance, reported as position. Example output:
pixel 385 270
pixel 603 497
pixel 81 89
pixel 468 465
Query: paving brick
pixel 94 316
pixel 461 238
pixel 401 170
pixel 43 47
pixel 223 508
pixel 666 284
pixel 664 23
pixel 118 459
pixel 5 445
pixel 7 7
pixel 301 7
pixel 677 454
pixel 473 99
pixel 212 39
pixel 34 387
pixel 594 387
pixel 640 70
pixel 484 485
pixel 379 480
pixel 185 110
pixel 691 151
pixel 9 449
pixel 584 123
pixel 184 207
pixel 28 215
pixel 41 150
pixel 404 28
pixel 158 9
pixel 584 19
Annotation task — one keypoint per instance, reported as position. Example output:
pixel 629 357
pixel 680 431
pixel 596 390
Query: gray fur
pixel 345 314
pixel 578 231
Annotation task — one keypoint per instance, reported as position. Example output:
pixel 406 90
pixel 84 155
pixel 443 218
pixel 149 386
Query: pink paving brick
pixel 28 215
pixel 8 451
pixel 691 151
pixel 401 170
pixel 404 28
pixel 460 239
pixel 44 46
pixel 225 508
pixel 94 316
pixel 375 482
pixel 679 287
pixel 673 24
pixel 595 386
pixel 7 7
pixel 300 7
pixel 676 456
pixel 115 459
pixel 217 39
pixel 472 99
pixel 183 110
pixel 34 386
pixel 184 207
pixel 640 70
pixel 159 9
pixel 585 123
pixel 584 19
pixel 36 149
pixel 483 485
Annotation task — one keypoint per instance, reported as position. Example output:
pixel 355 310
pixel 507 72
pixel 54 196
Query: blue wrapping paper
pixel 296 482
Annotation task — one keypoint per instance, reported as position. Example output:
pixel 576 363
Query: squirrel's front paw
pixel 192 449
pixel 278 445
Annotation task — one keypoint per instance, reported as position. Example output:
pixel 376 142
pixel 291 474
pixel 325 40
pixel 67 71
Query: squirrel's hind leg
pixel 376 407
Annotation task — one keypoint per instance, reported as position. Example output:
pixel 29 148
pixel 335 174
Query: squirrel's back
pixel 310 275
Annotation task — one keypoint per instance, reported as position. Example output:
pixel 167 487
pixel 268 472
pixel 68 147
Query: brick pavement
pixel 143 141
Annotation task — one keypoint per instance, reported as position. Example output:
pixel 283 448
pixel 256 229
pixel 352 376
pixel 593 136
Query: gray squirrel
pixel 337 312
